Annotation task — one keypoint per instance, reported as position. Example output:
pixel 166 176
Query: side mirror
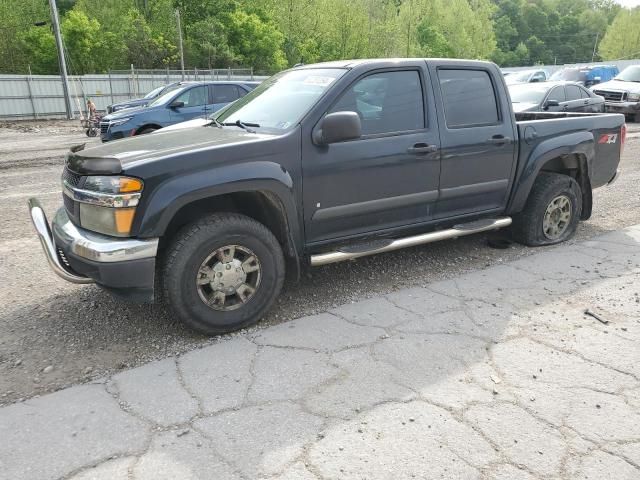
pixel 535 79
pixel 176 104
pixel 551 103
pixel 338 127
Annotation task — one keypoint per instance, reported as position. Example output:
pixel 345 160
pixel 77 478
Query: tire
pixel 146 130
pixel 191 259
pixel 550 192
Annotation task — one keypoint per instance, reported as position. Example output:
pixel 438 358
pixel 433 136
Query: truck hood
pixel 113 157
pixel 631 87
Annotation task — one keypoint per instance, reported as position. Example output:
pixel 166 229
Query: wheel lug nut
pixel 228 267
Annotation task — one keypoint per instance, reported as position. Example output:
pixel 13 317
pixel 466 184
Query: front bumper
pixel 125 266
pixel 627 108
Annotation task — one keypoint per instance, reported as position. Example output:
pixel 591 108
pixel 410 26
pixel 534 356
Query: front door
pixel 389 176
pixel 477 141
pixel 575 102
pixel 195 104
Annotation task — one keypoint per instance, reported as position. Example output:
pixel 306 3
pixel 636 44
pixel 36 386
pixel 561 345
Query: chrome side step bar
pixel 457 231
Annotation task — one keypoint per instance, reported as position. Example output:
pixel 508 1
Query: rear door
pixel 223 95
pixel 195 104
pixel 477 140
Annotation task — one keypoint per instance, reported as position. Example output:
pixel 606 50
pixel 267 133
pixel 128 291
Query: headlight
pixel 633 97
pixel 120 121
pixel 107 203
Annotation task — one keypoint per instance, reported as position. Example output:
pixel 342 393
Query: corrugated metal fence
pixel 41 96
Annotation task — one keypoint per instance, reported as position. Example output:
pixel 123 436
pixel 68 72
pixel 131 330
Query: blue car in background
pixel 141 102
pixel 189 100
pixel 586 76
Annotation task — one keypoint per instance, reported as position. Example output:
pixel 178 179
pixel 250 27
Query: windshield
pixel 527 93
pixel 630 74
pixel 153 93
pixel 571 75
pixel 166 96
pixel 280 101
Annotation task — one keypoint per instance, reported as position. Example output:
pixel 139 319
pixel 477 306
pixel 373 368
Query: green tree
pixel 257 43
pixel 623 37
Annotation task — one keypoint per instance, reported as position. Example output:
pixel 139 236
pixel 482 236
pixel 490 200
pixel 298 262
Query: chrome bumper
pixel 87 245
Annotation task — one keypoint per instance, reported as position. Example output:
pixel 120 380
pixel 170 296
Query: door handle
pixel 499 140
pixel 586 102
pixel 422 148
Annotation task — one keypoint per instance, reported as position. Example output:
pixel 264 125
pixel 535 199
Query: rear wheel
pixel 223 273
pixel 551 213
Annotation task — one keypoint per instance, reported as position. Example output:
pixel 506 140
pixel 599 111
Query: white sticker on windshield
pixel 318 80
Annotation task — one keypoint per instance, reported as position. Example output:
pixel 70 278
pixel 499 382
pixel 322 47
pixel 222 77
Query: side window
pixel 468 97
pixel 194 97
pixel 584 93
pixel 386 102
pixel 573 92
pixel 558 94
pixel 241 92
pixel 224 93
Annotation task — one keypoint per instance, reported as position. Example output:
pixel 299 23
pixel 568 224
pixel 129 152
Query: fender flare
pixel 580 144
pixel 176 192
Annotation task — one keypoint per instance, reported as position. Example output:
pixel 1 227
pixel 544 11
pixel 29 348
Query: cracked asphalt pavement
pixel 54 334
pixel 494 374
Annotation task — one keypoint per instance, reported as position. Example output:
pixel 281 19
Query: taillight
pixel 623 137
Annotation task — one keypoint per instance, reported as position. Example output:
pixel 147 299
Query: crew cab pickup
pixel 319 164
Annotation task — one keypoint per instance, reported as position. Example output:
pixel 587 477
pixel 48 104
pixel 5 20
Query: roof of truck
pixel 367 61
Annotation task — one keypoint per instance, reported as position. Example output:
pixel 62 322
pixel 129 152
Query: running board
pixel 350 253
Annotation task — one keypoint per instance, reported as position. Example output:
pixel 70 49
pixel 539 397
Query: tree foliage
pixel 623 37
pixel 268 35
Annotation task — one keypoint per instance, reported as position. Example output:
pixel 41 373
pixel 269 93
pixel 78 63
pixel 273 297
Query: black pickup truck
pixel 320 164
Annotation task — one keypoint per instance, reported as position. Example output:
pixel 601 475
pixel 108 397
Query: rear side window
pixel 573 92
pixel 386 102
pixel 224 93
pixel 469 98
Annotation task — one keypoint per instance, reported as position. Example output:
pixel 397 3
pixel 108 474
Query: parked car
pixel 527 76
pixel 187 101
pixel 622 94
pixel 141 102
pixel 554 97
pixel 301 172
pixel 587 76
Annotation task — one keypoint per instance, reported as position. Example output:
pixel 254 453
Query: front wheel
pixel 551 213
pixel 223 273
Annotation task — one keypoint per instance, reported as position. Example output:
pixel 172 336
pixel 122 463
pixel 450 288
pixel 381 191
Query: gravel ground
pixel 54 334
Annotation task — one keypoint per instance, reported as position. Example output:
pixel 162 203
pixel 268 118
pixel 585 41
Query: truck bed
pixel 600 133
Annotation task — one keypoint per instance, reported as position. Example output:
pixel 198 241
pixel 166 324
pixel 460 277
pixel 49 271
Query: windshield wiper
pixel 215 122
pixel 244 125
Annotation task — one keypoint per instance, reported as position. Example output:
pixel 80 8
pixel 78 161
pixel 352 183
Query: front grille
pixel 104 128
pixel 72 179
pixel 69 204
pixel 611 96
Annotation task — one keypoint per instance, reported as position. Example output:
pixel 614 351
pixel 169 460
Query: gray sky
pixel 629 3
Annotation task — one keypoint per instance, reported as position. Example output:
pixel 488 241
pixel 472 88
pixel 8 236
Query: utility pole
pixel 595 46
pixel 180 43
pixel 63 64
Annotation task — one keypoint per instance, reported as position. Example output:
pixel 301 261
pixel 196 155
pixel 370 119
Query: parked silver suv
pixel 622 94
